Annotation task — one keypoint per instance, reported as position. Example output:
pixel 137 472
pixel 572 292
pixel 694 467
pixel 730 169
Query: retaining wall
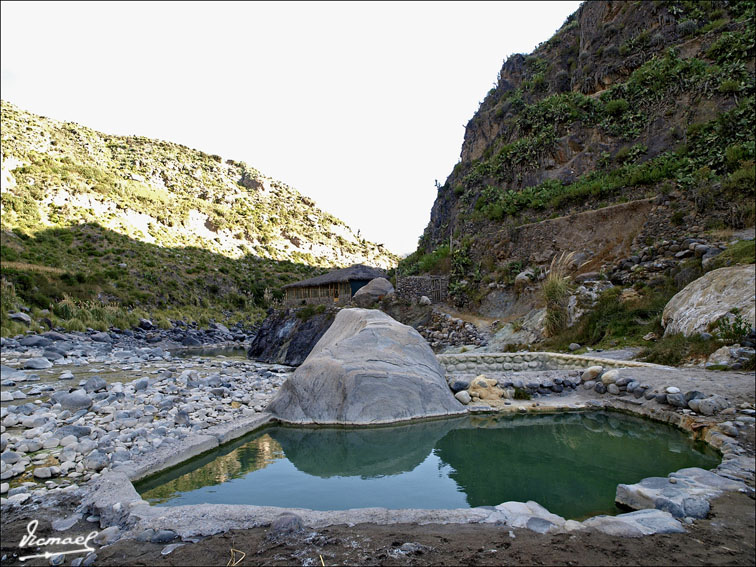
pixel 480 363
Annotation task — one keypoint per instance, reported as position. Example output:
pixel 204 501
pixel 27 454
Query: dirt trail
pixel 482 323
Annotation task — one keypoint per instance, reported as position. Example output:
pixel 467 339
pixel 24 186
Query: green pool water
pixel 570 463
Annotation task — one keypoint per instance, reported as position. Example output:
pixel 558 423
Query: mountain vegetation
pixel 624 140
pixel 628 100
pixel 98 230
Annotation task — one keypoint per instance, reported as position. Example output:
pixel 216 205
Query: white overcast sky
pixel 360 106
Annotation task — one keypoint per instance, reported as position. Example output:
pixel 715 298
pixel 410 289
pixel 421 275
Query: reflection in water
pixel 570 462
pixel 365 452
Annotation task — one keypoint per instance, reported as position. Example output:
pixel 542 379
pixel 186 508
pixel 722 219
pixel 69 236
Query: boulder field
pixel 367 369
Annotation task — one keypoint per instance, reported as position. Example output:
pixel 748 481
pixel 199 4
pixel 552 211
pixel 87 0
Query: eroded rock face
pixel 286 338
pixel 367 369
pixel 709 298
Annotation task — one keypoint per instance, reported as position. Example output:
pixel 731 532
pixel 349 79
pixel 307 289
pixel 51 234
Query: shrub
pixel 676 349
pixel 617 107
pixel 556 291
pixel 729 86
pixel 521 394
pixel 742 181
pixel 677 218
pixel 308 311
pixel 733 329
pixel 687 27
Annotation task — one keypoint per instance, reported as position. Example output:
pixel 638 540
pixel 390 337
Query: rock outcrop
pixel 366 369
pixel 374 291
pixel 709 298
pixel 288 336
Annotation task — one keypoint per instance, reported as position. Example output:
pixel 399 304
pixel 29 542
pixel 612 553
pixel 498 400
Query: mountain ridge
pixel 152 226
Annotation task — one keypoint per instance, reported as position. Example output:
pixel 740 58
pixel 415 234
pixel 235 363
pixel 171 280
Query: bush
pixel 687 27
pixel 735 329
pixel 676 349
pixel 521 394
pixel 742 252
pixel 617 107
pixel 556 291
pixel 729 86
pixel 309 311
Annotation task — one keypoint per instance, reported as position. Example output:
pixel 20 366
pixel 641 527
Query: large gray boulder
pixel 366 369
pixel 709 298
pixel 375 290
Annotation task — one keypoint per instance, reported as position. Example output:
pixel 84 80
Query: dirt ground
pixel 725 538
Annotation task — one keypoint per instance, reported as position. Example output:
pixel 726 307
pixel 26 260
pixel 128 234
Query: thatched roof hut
pixel 337 286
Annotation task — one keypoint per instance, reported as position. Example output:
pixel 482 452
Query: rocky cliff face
pixel 288 336
pixel 645 102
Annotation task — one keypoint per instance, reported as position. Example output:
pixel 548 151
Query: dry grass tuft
pixel 556 291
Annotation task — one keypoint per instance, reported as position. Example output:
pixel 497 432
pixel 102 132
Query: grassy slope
pixel 152 227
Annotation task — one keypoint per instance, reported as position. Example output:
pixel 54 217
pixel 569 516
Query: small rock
pixel 610 377
pixel 677 400
pixel 164 536
pixel 287 523
pixel 75 401
pixel 107 536
pixel 463 396
pixel 591 373
pixel 95 384
pixel 23 317
pixel 37 363
pixel 101 338
pixel 42 472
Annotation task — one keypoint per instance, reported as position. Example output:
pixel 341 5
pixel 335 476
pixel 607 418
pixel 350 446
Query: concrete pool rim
pixel 115 500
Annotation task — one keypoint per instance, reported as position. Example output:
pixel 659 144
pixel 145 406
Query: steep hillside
pixel 152 224
pixel 628 101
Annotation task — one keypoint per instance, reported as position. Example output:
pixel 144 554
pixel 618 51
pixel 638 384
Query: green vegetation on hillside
pixel 153 227
pixel 656 102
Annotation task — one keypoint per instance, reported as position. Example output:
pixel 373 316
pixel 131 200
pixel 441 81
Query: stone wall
pixel 435 288
pixel 479 363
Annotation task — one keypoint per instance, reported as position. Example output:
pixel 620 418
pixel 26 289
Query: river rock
pixel 39 363
pixel 677 400
pixel 591 373
pixel 75 401
pixel 635 524
pixel 709 298
pixel 23 317
pixel 373 291
pixel 459 383
pixel 709 406
pixel 35 341
pixel 96 461
pixel 101 338
pixel 95 384
pixel 463 396
pixel 366 369
pixel 609 377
